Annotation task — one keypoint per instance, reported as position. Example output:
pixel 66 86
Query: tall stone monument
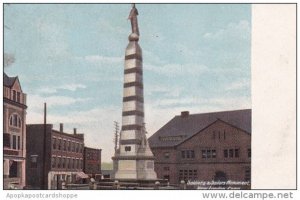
pixel 134 159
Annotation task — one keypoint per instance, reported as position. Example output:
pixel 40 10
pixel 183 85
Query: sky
pixel 196 57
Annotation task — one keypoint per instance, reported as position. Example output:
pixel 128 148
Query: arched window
pixel 15 121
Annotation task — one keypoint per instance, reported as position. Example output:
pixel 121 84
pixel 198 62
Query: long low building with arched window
pixel 204 147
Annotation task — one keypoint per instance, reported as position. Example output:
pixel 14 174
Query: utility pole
pixel 44 179
pixel 116 139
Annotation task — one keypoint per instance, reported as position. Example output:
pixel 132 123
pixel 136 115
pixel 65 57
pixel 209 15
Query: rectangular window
pixel 59 162
pixel 69 146
pixel 192 154
pixel 127 148
pixel 213 153
pixel 187 154
pixel 54 143
pixel 63 162
pixel 18 97
pixel 248 174
pixel 225 153
pixel 236 153
pixel 166 168
pixel 14 95
pixel 208 153
pixel 53 162
pixel 203 153
pixel 14 142
pixel 249 153
pixel 166 155
pixel 65 145
pixel 19 142
pixel 59 144
pixel 231 153
pixel 182 154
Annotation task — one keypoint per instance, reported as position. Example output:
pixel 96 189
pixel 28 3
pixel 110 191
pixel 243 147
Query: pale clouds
pixel 224 103
pixel 36 102
pixel 98 59
pixel 177 69
pixel 240 84
pixel 71 87
pixel 238 30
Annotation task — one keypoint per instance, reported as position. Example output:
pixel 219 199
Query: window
pixel 231 153
pixel 188 174
pixel 63 162
pixel 14 142
pixel 203 153
pixel 54 143
pixel 249 153
pixel 73 163
pixel 209 153
pixel 225 153
pixel 166 155
pixel 236 153
pixel 69 163
pixel 59 144
pixel 15 121
pixel 224 135
pixel 192 154
pixel 127 148
pixel 167 177
pixel 69 146
pixel 59 162
pixel 182 154
pixel 53 162
pixel 188 154
pixel 166 168
pixel 247 174
pixel 18 97
pixel 33 161
pixel 14 95
pixel 65 145
pixel 213 153
pixel 19 142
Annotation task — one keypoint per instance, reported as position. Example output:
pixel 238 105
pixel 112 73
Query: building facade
pixel 60 159
pixel 204 147
pixel 92 162
pixel 14 133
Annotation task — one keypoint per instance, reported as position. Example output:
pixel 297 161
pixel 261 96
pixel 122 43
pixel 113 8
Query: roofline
pixel 175 146
pixel 209 126
pixel 217 112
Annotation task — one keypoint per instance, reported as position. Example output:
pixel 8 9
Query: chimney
pixel 185 114
pixel 61 127
pixel 75 131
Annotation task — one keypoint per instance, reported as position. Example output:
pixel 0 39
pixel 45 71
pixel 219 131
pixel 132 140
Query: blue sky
pixel 196 57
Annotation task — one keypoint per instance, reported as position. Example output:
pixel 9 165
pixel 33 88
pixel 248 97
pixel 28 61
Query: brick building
pixel 14 132
pixel 204 147
pixel 92 162
pixel 61 159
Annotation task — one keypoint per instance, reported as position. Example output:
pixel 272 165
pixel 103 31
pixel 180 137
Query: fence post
pixel 156 187
pixel 63 185
pixel 92 184
pixel 182 185
pixel 116 185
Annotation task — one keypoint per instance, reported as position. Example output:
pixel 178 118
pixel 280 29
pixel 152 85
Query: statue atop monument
pixel 133 18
